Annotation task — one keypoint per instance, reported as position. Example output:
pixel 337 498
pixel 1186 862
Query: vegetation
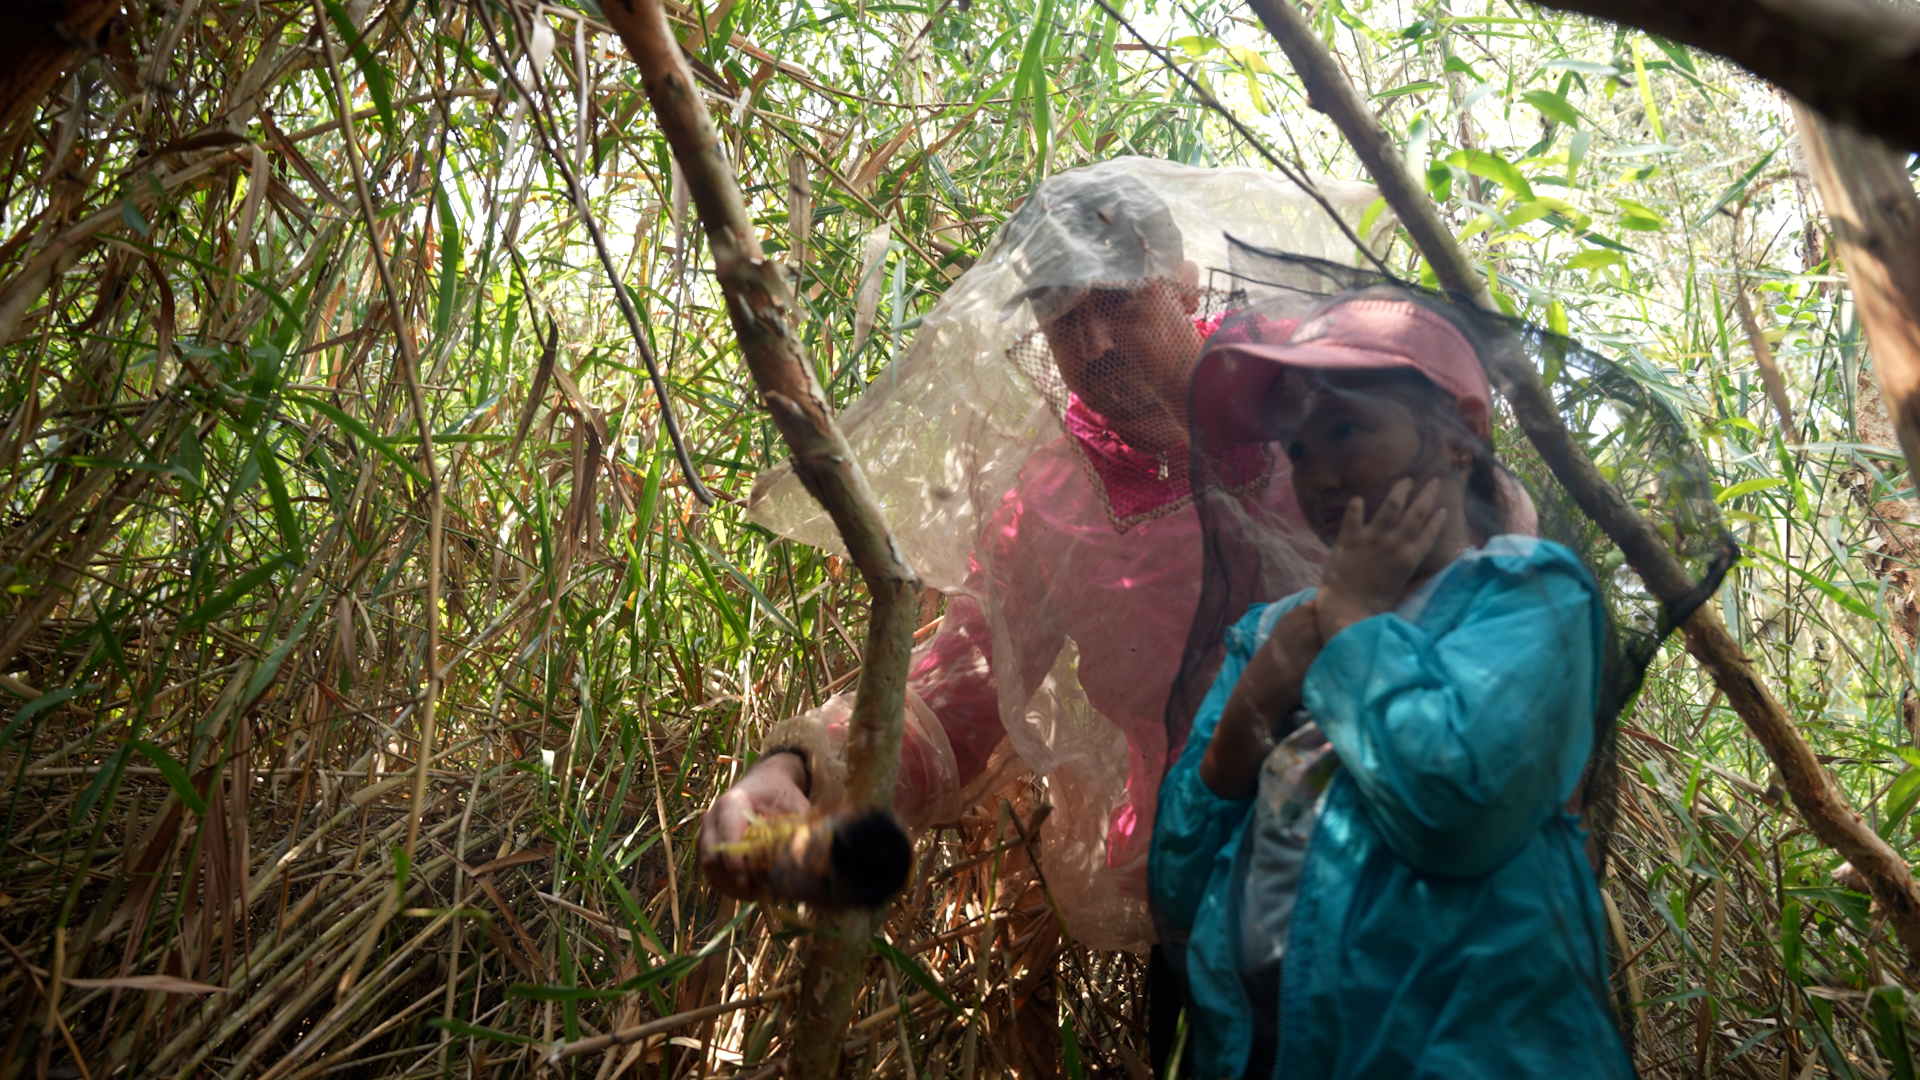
pixel 228 622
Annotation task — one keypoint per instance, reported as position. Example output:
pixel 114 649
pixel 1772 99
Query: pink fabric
pixel 1126 599
pixel 1049 572
pixel 1354 335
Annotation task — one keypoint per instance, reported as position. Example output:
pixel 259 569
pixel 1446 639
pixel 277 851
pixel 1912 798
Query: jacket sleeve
pixel 1464 740
pixel 1192 824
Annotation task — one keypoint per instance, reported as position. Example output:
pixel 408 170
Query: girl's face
pixel 1360 444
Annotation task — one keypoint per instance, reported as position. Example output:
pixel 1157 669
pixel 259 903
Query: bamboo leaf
pixel 475 1031
pixel 1827 588
pixel 270 667
pixel 371 69
pixel 1492 167
pixel 1552 106
pixel 37 706
pixel 911 968
pixel 1735 189
pixel 175 775
pixel 231 595
pixel 384 447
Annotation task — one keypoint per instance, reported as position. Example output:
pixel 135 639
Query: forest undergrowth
pixel 325 449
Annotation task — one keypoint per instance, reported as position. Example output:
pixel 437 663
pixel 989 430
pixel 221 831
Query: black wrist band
pixel 806 765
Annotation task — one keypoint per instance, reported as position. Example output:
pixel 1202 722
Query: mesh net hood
pixel 942 435
pixel 1029 450
pixel 1288 350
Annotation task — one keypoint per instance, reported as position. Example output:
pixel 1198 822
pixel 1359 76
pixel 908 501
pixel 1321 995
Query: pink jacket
pixel 1064 642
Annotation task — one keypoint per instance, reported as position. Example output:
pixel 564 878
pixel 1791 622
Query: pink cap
pixel 1231 382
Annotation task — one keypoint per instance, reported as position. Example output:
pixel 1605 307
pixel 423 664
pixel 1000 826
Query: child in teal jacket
pixel 1432 913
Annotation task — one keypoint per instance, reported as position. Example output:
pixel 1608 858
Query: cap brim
pixel 1229 396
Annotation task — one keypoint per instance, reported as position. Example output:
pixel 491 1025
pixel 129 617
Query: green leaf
pixel 460 48
pixel 37 706
pixel 1553 107
pixel 1639 216
pixel 1832 591
pixel 1647 102
pixel 1746 487
pixel 450 249
pixel 1369 216
pixel 715 594
pixel 364 433
pixel 1595 259
pixel 1420 87
pixel 1899 800
pixel 1790 955
pixel 1070 1048
pixel 1454 63
pixel 911 969
pixel 108 770
pixel 231 595
pixel 1196 45
pixel 1676 53
pixel 772 609
pixel 1577 153
pixel 370 68
pixel 1735 189
pixel 1889 1007
pixel 1492 167
pixel 1030 79
pixel 131 218
pixel 175 775
pixel 541 992
pixel 475 1031
pixel 270 667
pixel 283 516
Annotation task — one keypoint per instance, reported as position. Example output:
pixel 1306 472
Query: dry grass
pixel 215 543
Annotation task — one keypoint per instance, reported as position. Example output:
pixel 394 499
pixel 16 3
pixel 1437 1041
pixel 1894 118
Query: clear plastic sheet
pixel 1071 557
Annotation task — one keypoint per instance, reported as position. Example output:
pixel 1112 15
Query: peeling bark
pixel 39 41
pixel 758 303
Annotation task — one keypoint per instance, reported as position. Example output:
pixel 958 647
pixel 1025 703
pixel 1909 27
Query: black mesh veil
pixel 1628 419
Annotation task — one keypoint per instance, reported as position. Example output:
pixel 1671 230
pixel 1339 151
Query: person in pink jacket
pixel 1030 451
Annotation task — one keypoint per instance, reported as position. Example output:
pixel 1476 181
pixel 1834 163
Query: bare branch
pixel 759 303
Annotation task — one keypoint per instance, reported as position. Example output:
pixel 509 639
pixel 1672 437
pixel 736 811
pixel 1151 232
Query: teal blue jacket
pixel 1447 923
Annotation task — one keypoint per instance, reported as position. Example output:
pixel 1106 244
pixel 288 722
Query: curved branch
pixel 759 303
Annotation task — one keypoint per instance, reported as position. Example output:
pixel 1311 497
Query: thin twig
pixel 1299 175
pixel 410 368
pixel 537 116
pixel 561 1051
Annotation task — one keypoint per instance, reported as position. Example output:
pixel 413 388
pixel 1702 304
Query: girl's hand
pixel 1372 562
pixel 1256 712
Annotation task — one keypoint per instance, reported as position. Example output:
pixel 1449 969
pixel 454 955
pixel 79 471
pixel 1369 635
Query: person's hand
pixel 770 789
pixel 1262 703
pixel 1373 561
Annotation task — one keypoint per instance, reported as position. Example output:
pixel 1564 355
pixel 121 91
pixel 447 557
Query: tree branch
pixel 1856 61
pixel 758 304
pixel 1819 801
pixel 1875 219
pixel 41 42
